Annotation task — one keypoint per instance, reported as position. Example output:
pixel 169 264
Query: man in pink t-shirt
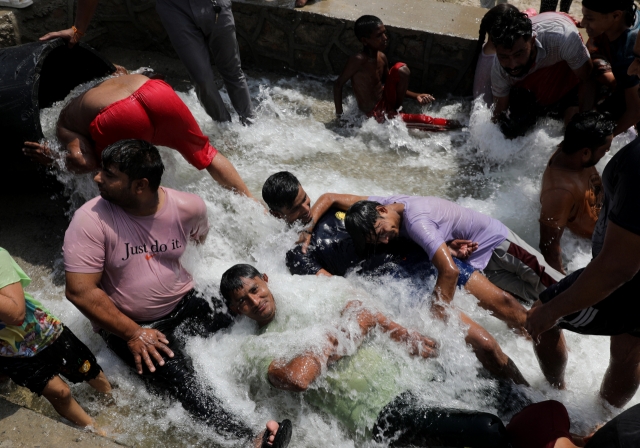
pixel 122 261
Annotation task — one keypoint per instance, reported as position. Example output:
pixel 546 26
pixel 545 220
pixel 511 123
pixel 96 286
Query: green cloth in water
pixel 354 389
pixel 39 328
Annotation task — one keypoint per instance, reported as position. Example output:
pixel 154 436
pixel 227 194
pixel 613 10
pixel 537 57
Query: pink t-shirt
pixel 431 221
pixel 139 256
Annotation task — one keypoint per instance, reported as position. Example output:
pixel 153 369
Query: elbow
pixel 450 273
pixel 78 165
pixel 282 377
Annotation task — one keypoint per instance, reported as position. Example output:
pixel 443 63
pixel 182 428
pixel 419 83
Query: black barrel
pixel 34 76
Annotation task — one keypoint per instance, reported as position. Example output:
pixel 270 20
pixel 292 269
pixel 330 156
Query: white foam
pixel 295 131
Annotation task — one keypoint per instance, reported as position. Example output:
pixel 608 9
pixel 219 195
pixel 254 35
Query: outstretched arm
pixel 616 264
pixel 80 155
pixel 322 205
pixel 84 13
pixel 298 374
pixel 353 65
pixel 226 175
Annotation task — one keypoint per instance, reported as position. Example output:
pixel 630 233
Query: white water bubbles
pixel 295 130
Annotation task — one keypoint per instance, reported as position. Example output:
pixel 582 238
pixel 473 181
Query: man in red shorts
pixel 133 107
pixel 368 69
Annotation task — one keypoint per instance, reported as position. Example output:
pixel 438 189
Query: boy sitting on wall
pixel 379 90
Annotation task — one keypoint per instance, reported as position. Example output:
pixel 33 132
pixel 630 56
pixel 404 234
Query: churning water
pixel 475 167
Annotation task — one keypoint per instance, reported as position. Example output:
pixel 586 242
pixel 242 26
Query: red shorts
pixel 539 425
pixel 156 114
pixel 386 107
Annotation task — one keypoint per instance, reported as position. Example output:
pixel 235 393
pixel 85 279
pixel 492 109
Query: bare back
pixel 83 109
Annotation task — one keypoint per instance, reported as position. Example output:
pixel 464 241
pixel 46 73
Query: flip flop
pixel 283 436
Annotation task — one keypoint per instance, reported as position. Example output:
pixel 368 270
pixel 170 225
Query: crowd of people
pixel 122 249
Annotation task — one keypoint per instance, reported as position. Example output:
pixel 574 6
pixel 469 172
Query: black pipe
pixel 34 76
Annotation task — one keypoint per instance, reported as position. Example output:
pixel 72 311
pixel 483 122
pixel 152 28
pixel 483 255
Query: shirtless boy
pixel 572 194
pixel 133 107
pixel 379 90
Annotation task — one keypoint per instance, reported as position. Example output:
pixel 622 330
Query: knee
pixel 59 393
pixel 404 72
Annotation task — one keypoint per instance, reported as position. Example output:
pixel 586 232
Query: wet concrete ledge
pixel 435 39
pixel 21 427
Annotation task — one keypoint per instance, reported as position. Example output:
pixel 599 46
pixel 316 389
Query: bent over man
pixel 133 107
pixel 122 261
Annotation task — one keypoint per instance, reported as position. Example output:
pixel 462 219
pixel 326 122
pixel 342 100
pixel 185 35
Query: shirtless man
pixel 369 69
pixel 571 194
pixel 153 112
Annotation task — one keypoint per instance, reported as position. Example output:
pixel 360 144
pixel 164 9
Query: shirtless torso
pixel 76 116
pixel 571 198
pixel 367 80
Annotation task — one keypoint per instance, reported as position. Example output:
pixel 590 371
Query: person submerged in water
pixel 379 398
pixel 133 107
pixel 332 251
pixel 379 90
pixel 572 193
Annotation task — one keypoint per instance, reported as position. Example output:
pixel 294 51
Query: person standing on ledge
pixel 122 262
pixel 571 193
pixel 201 32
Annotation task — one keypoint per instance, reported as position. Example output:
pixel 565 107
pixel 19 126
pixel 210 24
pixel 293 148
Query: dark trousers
pixel 408 422
pixel 192 316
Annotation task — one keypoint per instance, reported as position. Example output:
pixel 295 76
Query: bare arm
pixel 298 374
pixel 585 91
pixel 81 156
pixel 616 264
pixel 631 115
pixel 226 175
pixel 550 246
pixel 84 14
pixel 12 305
pixel 500 104
pixel 353 65
pixel 84 292
pixel 555 212
pixel 322 205
pixel 448 274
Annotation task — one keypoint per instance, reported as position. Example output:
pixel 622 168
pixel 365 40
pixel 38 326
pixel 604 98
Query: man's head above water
pixel 131 170
pixel 286 198
pixel 369 222
pixel 246 292
pixel 512 35
pixel 588 136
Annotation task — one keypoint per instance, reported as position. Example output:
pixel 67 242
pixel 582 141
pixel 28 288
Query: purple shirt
pixel 431 221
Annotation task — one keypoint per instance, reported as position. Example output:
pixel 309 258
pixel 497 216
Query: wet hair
pixel 365 26
pixel 587 130
pixel 360 222
pixel 485 26
pixel 232 279
pixel 280 190
pixel 628 7
pixel 138 159
pixel 510 26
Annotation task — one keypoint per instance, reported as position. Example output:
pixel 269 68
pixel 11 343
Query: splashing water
pixel 475 167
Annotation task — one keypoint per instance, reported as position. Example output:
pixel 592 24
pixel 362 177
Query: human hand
pixel 39 153
pixel 462 249
pixel 420 345
pixel 69 35
pixel 424 98
pixel 539 319
pixel 145 344
pixel 268 435
pixel 304 239
pixel 120 70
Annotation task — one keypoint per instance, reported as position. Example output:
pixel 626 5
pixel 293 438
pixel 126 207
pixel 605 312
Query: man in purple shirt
pixel 508 262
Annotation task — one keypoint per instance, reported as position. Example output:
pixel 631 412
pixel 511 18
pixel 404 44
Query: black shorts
pixel 619 313
pixel 66 356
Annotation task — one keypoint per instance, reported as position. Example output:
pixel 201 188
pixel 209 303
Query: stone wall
pixel 436 40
